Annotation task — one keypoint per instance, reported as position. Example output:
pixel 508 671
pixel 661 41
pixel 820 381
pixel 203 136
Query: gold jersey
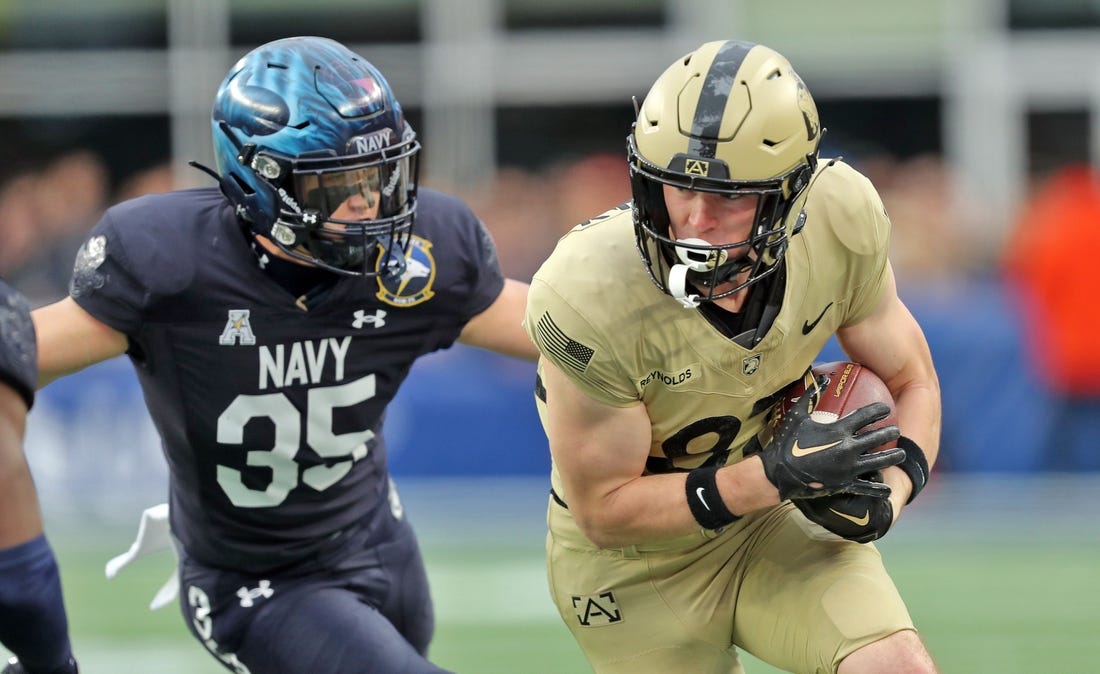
pixel 594 312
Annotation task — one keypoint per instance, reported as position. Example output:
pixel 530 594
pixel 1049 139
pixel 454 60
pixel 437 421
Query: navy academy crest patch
pixel 415 285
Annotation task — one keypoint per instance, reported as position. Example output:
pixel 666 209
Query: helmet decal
pixel 809 110
pixel 706 126
pixel 256 110
pixel 351 93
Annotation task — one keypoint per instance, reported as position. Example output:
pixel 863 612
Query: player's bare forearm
pixel 70 339
pixel 891 343
pixel 745 487
pixel 600 452
pixel 500 327
pixel 654 507
pixel 919 415
pixel 646 509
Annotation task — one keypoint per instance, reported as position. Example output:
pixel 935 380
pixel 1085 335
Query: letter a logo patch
pixel 597 610
pixel 697 167
pixel 237 327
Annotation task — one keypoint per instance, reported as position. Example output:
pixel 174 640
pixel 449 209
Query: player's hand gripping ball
pixel 826 441
pixel 853 516
pixel 842 387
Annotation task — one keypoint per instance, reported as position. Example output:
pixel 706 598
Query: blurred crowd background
pixel 979 122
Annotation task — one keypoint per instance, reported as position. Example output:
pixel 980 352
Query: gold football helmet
pixel 732 118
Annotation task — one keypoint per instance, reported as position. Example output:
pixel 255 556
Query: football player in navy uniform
pixel 33 624
pixel 668 329
pixel 270 320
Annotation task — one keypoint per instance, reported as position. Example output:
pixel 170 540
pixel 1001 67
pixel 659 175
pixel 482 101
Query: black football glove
pixel 835 455
pixel 858 518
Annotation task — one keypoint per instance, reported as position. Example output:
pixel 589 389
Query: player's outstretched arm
pixel 500 327
pixel 70 339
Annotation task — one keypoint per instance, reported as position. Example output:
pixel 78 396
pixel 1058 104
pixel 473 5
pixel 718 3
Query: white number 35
pixel 288 433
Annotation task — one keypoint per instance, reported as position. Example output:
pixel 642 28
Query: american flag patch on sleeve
pixel 559 345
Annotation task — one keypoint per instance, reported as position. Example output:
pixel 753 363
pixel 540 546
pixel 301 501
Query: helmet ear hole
pixel 241 185
pixel 235 189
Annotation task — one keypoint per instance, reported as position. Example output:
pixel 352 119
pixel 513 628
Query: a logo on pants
pixel 248 596
pixel 597 610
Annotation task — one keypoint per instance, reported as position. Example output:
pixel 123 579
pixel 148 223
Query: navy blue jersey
pixel 269 406
pixel 18 354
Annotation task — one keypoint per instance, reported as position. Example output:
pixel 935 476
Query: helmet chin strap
pixel 677 286
pixel 691 259
pixel 395 265
pixel 706 265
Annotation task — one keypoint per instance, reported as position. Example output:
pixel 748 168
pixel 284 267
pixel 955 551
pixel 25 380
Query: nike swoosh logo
pixel 807 327
pixel 858 521
pixel 699 494
pixel 796 450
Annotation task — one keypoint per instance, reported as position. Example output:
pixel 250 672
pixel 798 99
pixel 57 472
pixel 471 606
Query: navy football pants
pixel 369 610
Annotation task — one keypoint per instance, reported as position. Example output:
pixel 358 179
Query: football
pixel 848 386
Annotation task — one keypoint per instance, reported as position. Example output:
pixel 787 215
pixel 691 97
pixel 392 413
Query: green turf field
pixel 1001 576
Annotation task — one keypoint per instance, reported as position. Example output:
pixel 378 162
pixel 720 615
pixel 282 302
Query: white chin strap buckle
pixel 692 259
pixel 677 286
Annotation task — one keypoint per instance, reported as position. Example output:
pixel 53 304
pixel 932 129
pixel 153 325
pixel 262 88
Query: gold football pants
pixel 773 584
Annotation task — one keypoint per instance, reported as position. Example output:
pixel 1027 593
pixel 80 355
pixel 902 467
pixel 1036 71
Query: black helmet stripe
pixel 713 97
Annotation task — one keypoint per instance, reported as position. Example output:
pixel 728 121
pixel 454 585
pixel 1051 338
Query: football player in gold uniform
pixel 673 537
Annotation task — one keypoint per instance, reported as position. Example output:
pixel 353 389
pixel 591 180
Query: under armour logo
pixel 362 319
pixel 262 590
pixel 309 218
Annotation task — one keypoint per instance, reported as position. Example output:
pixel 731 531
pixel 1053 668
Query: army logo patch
pixel 597 610
pixel 751 364
pixel 697 167
pixel 415 285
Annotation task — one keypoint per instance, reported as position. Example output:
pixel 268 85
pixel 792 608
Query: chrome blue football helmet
pixel 315 153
